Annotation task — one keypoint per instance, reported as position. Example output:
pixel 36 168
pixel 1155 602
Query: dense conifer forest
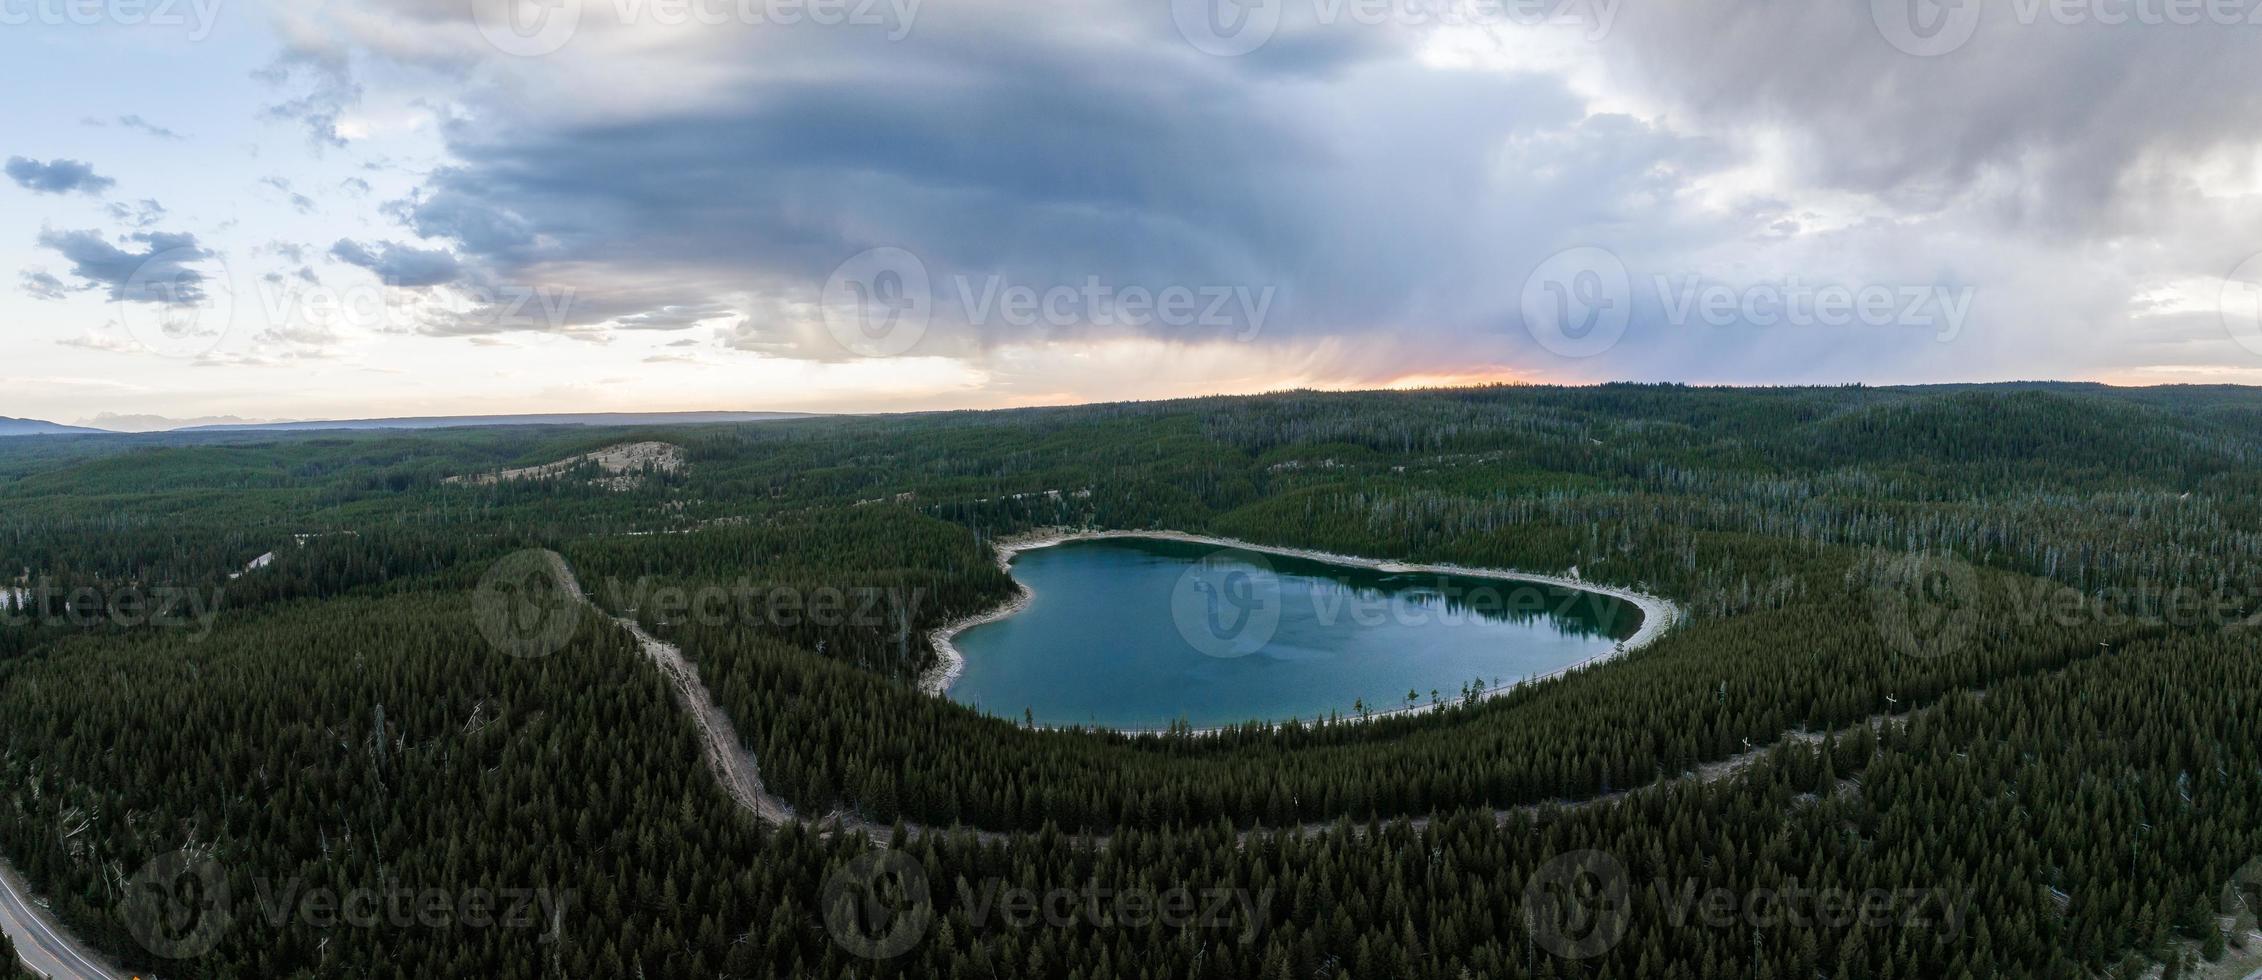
pixel 1967 688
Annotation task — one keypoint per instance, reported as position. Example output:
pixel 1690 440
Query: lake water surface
pixel 1142 632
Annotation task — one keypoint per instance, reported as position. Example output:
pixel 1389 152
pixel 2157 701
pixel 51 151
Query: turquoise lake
pixel 1142 632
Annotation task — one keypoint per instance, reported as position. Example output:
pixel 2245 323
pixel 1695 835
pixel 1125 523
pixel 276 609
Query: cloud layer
pixel 1391 184
pixel 1123 196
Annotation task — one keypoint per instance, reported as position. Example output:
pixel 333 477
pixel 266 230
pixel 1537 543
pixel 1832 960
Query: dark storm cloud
pixel 161 271
pixel 400 265
pixel 1008 146
pixel 785 180
pixel 56 177
pixel 1144 165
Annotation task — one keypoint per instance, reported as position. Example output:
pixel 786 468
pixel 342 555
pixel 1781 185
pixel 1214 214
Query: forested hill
pixel 1996 637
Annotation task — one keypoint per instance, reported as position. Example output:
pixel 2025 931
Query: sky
pixel 262 209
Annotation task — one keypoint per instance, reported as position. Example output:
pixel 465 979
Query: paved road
pixel 39 943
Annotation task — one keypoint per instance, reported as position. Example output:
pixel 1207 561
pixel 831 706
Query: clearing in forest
pixel 624 466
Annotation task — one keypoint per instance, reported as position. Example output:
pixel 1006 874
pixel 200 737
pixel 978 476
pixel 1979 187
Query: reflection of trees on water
pixel 1350 594
pixel 1449 598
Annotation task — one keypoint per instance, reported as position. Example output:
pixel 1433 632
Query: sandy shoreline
pixel 1658 613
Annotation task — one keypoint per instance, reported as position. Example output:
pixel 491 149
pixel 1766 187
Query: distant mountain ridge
pixel 463 421
pixel 143 424
pixel 114 422
pixel 37 427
